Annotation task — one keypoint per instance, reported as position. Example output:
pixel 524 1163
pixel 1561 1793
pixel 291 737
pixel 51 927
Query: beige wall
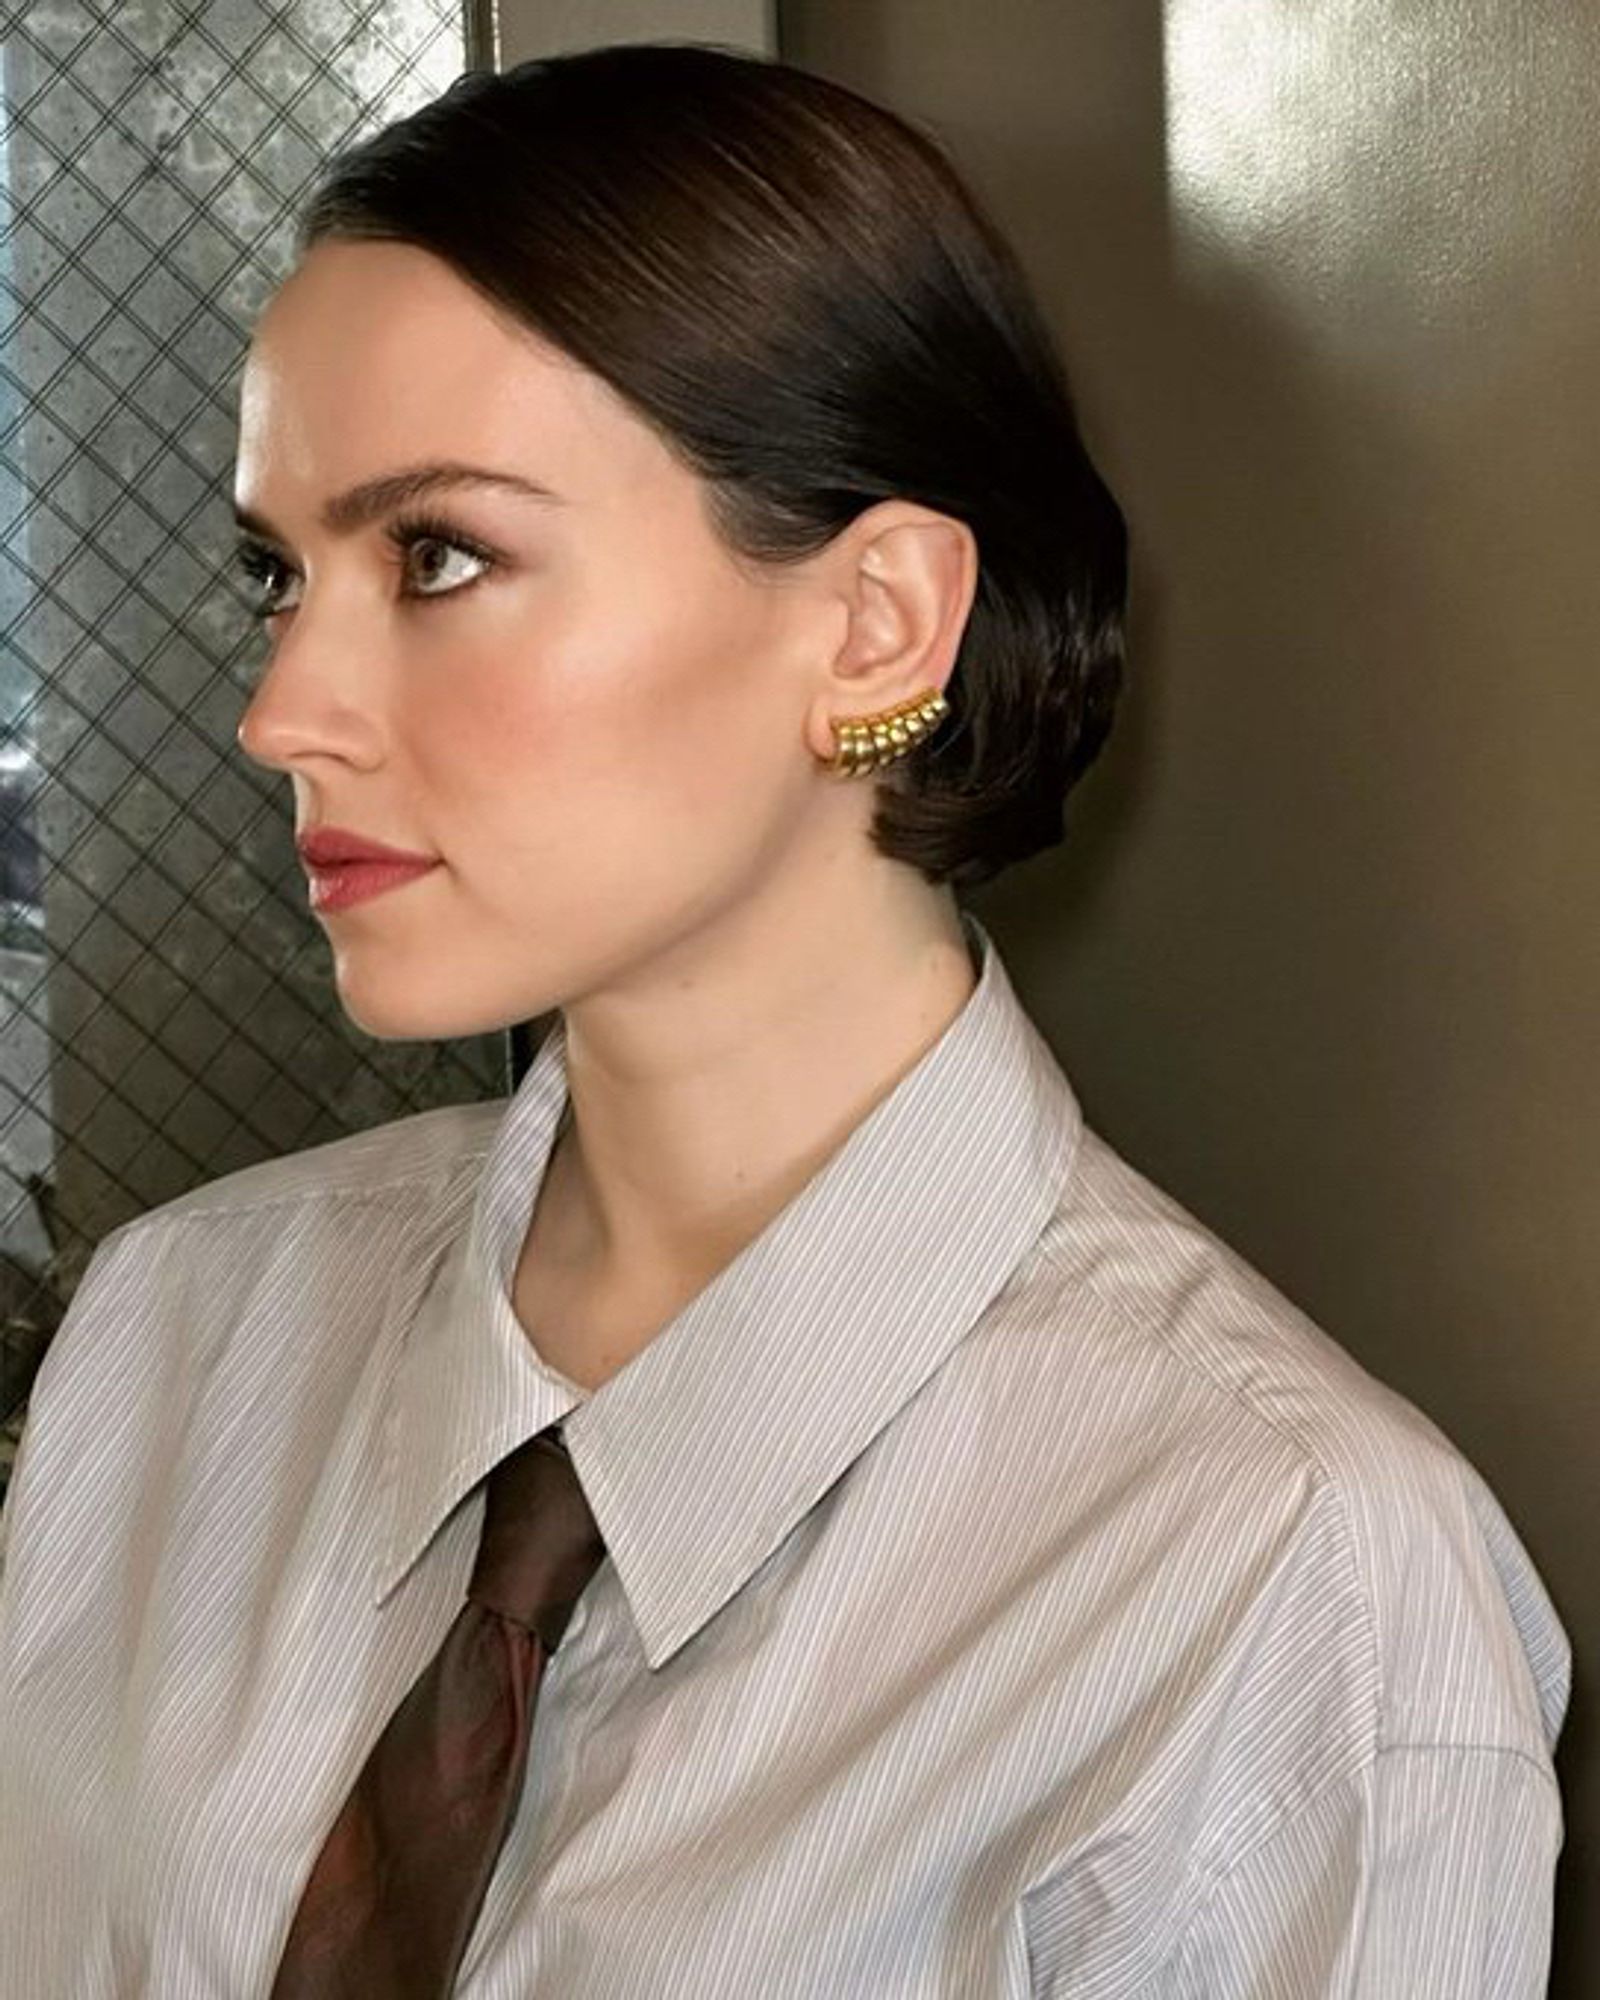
pixel 553 27
pixel 1323 956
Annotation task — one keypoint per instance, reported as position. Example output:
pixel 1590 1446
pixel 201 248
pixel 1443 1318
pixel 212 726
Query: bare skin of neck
pixel 663 1173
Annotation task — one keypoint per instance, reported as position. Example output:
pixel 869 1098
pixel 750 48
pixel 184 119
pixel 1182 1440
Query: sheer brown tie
pixel 394 1893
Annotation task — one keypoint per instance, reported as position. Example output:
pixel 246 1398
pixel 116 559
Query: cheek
pixel 592 752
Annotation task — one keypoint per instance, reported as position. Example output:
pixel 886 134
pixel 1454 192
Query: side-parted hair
pixel 795 288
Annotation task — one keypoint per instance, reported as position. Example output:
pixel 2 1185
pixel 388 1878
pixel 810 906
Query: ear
pixel 907 576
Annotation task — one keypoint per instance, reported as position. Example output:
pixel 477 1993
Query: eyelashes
pixel 264 570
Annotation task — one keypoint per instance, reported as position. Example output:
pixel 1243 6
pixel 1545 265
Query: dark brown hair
pixel 796 289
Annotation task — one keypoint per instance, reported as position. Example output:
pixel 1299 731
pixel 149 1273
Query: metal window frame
pixel 482 33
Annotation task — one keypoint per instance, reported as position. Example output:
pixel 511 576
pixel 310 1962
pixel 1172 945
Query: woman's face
pixel 576 706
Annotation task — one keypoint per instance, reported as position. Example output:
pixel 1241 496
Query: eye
pixel 413 532
pixel 260 569
pixel 267 573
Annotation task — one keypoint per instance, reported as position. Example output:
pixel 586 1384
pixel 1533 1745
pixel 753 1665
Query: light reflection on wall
pixel 1363 164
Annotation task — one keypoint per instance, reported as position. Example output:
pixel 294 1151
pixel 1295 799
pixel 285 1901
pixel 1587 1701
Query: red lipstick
pixel 345 868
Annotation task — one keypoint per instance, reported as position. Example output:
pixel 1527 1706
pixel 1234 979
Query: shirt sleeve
pixel 1430 1874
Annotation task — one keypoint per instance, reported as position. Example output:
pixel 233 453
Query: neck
pixel 705 1094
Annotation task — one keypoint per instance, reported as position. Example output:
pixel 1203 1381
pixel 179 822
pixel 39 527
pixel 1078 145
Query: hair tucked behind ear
pixel 796 289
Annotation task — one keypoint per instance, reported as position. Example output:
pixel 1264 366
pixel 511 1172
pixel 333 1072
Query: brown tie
pixel 396 1889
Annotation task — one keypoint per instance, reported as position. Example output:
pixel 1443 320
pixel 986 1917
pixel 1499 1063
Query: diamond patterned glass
pixel 166 1011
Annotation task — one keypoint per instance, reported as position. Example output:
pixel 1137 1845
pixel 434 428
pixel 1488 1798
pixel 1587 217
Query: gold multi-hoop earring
pixel 867 742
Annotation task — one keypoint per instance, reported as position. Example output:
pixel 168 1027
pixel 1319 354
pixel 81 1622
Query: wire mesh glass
pixel 166 1009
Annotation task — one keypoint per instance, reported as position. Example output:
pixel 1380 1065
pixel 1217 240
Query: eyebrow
pixel 347 512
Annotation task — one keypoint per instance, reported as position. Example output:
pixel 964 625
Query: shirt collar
pixel 704 1450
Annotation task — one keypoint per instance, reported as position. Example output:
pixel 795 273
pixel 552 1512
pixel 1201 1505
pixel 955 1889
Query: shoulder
pixel 289 1247
pixel 386 1165
pixel 1275 1440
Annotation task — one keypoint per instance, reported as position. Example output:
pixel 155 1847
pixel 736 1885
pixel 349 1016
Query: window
pixel 166 1011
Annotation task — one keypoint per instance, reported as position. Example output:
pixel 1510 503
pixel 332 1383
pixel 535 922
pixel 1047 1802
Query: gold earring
pixel 867 742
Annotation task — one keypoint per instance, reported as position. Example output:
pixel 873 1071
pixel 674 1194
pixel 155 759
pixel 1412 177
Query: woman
pixel 958 1574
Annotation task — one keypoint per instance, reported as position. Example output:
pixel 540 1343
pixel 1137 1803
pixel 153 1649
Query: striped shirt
pixel 1007 1591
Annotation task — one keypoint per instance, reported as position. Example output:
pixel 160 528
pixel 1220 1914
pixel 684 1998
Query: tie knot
pixel 540 1543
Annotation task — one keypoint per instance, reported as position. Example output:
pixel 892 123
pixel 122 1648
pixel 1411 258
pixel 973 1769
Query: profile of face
pixel 567 693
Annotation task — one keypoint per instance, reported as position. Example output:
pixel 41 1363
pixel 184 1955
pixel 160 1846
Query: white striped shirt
pixel 1007 1593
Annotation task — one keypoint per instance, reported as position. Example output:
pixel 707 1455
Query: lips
pixel 329 846
pixel 345 868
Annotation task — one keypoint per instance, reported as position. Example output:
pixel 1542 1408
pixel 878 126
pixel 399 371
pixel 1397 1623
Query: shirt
pixel 1007 1591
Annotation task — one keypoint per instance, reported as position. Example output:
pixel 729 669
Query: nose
pixel 306 708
